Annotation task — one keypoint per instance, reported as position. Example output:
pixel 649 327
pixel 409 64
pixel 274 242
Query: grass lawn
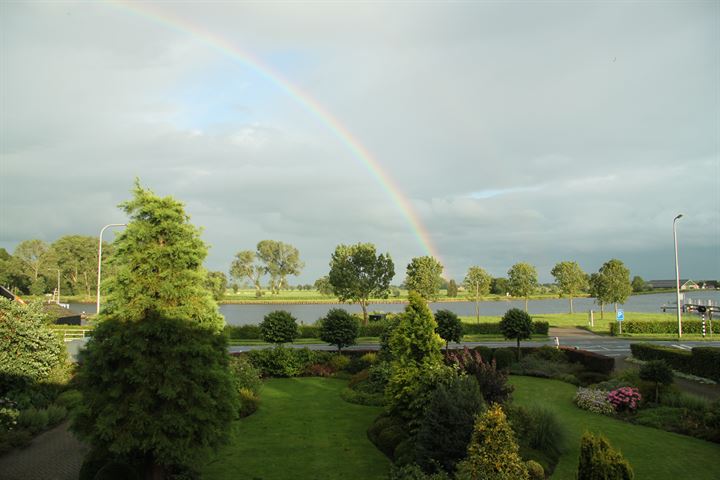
pixel 653 454
pixel 303 429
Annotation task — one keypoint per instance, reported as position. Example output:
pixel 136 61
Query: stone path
pixel 52 455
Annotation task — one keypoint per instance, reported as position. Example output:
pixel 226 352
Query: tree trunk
pixel 601 310
pixel 616 308
pixel 571 305
pixel 363 304
pixel 477 302
pixel 526 304
pixel 518 349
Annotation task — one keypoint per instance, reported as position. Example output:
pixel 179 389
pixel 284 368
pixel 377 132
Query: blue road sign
pixel 620 315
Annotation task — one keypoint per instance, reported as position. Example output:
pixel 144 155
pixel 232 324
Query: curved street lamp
pixel 97 304
pixel 677 276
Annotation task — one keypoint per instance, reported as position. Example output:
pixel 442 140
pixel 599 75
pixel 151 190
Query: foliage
pixel 8 414
pixel 323 286
pixel 423 276
pixel 449 326
pixel 246 265
pixel 625 399
pixel 594 400
pixel 516 324
pixel 658 372
pixel 217 284
pixel 158 260
pixel 570 279
pixel 499 286
pixel 339 328
pixel 244 374
pixel 503 358
pixel 279 327
pixel 29 350
pixel 282 361
pixel 33 419
pixel 700 361
pixel 172 399
pixel 280 259
pixel 599 289
pixel 522 281
pixel 541 364
pixel 386 432
pixel 452 289
pixel 477 283
pixel 444 431
pixel 32 255
pixel 357 273
pixel 539 428
pixel 599 461
pixel 615 278
pixel 76 256
pixel 249 402
pixel 493 453
pixel 638 284
pixel 491 381
pixel 535 470
pixel 594 362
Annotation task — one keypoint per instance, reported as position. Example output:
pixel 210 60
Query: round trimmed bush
pixel 279 327
pixel 339 328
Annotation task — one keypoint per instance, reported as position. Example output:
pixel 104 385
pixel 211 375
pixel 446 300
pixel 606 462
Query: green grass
pixel 303 429
pixel 653 454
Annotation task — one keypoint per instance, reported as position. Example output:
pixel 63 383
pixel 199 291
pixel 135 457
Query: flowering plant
pixel 625 398
pixel 594 400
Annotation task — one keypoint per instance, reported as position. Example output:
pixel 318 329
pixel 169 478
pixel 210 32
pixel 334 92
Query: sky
pixel 485 133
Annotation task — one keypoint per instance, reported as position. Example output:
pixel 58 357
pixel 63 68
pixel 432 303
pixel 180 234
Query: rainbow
pixel 359 151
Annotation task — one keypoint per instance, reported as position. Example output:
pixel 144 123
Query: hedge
pixel 700 361
pixel 374 329
pixel 592 361
pixel 689 326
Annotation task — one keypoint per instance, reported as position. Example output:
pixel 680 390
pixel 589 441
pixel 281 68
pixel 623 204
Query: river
pixel 308 313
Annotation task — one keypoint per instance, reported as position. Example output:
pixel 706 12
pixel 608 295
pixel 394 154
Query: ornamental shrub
pixel 339 328
pixel 33 419
pixel 279 327
pixel 449 327
pixel 516 324
pixel 594 400
pixel 535 470
pixel 625 399
pixel 244 374
pixel 282 361
pixel 599 461
pixel 249 402
pixel 493 453
pixel 492 382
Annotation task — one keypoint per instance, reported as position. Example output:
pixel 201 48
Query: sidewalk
pixel 52 455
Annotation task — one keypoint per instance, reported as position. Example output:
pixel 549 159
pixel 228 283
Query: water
pixel 307 314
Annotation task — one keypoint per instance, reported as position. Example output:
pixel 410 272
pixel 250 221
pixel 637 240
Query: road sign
pixel 620 315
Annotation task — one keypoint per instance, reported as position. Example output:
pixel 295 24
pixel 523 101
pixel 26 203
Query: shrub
pixel 492 382
pixel 706 361
pixel 590 378
pixel 56 414
pixel 361 397
pixel 360 363
pixel 339 328
pixel 249 402
pixel 658 372
pixel 33 419
pixel 244 374
pixel 504 357
pixel 14 439
pixel 675 357
pixel 625 399
pixel 8 414
pixel 319 370
pixel 389 438
pixel 540 366
pixel 279 327
pixel 546 432
pixel 550 354
pixel 338 362
pixel 593 400
pixel 516 324
pixel 281 361
pixel 485 352
pixel 592 361
pixel 69 399
pixel 599 461
pixel 449 326
pixel 492 452
pixel 535 470
pixel 243 332
pixel 447 423
pixel 663 327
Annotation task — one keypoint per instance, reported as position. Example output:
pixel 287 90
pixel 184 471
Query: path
pixel 52 455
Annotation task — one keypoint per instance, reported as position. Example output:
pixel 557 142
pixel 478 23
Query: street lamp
pixel 677 276
pixel 97 305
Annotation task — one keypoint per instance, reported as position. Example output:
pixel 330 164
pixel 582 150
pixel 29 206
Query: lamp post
pixel 97 304
pixel 677 276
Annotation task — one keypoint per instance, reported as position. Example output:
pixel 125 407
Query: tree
pixel 217 284
pixel 452 289
pixel 449 327
pixel 339 328
pixel 157 392
pixel 323 286
pixel 517 325
pixel 599 461
pixel 658 372
pixel 522 281
pixel 357 273
pixel 423 276
pixel 616 279
pixel 493 453
pixel 279 327
pixel 32 254
pixel 29 350
pixel 158 261
pixel 244 266
pixel 76 256
pixel 477 283
pixel 570 279
pixel 280 259
pixel 598 290
pixel 638 284
pixel 499 286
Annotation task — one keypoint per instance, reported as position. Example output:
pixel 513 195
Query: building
pixel 685 284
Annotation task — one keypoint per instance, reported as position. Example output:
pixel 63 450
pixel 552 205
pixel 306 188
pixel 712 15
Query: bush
pixel 535 470
pixel 485 352
pixel 279 327
pixel 658 372
pixel 338 362
pixel 245 375
pixel 389 438
pixel 14 439
pixel 493 328
pixel 594 400
pixel 491 381
pixel 504 357
pixel 592 361
pixel 358 364
pixel 599 461
pixel 281 361
pixel 665 327
pixel 516 324
pixel 69 399
pixel 625 399
pixel 449 326
pixel 538 365
pixel 447 423
pixel 706 362
pixel 675 357
pixel 33 419
pixel 56 414
pixel 539 428
pixel 339 328
pixel 590 378
pixel 243 332
pixel 249 402
pixel 8 414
